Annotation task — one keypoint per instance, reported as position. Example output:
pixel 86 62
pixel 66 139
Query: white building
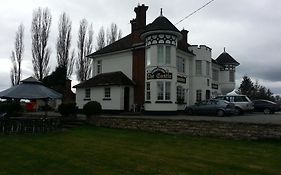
pixel 155 67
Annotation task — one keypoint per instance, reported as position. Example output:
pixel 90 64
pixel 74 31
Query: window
pixel 208 82
pixel 198 67
pixel 148 57
pixel 87 93
pixel 198 95
pixel 180 94
pixel 99 67
pixel 208 68
pixel 215 75
pixel 163 54
pixel 181 64
pixel 107 92
pixel 148 91
pixel 163 90
pixel 231 76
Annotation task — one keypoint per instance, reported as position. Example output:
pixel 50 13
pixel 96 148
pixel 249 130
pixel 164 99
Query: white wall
pixel 97 94
pixel 116 62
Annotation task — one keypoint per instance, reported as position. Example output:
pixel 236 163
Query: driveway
pixel 248 117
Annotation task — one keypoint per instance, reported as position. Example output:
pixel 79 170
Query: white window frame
pixel 148 91
pixel 198 95
pixel 180 93
pixel 163 90
pixel 181 64
pixel 208 68
pixel 231 76
pixel 87 93
pixel 107 92
pixel 163 54
pixel 99 66
pixel 198 67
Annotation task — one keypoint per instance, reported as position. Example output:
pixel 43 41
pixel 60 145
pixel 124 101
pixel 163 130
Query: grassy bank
pixel 90 150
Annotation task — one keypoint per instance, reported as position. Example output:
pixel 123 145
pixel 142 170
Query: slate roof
pixel 106 79
pixel 224 58
pixel 119 45
pixel 161 23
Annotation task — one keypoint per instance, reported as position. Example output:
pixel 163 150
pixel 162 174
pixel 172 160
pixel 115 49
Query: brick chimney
pixel 139 22
pixel 140 16
pixel 184 35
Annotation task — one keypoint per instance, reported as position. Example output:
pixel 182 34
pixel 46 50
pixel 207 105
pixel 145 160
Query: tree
pixel 246 86
pixel 40 29
pixel 100 39
pixel 256 91
pixel 85 47
pixel 17 56
pixel 113 34
pixel 65 59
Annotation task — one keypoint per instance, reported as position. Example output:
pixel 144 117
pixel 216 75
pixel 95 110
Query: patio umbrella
pixel 31 89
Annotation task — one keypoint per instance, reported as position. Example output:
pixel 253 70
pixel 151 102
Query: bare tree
pixel 65 59
pixel 112 34
pixel 100 39
pixel 17 56
pixel 85 47
pixel 40 29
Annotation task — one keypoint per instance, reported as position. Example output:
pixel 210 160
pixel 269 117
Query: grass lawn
pixel 90 150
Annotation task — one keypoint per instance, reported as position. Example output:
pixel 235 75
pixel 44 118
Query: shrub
pixel 67 109
pixel 12 109
pixel 91 108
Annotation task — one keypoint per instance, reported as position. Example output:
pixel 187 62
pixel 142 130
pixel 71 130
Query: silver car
pixel 242 103
pixel 211 107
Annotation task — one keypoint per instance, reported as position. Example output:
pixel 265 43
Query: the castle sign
pixel 159 73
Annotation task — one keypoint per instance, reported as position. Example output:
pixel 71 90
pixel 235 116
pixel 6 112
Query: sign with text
pixel 159 73
pixel 181 79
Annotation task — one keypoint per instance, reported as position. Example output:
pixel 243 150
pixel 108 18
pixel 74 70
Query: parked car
pixel 211 107
pixel 242 103
pixel 266 106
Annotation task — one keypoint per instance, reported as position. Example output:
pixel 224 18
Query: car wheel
pixel 189 111
pixel 237 111
pixel 266 111
pixel 220 113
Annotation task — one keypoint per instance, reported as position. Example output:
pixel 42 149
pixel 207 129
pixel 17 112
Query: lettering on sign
pixel 181 79
pixel 215 86
pixel 159 73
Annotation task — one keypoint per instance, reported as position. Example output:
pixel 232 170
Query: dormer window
pixel 99 67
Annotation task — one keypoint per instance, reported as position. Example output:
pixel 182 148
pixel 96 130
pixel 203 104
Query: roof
pixel 106 79
pixel 224 58
pixel 30 88
pixel 161 23
pixel 31 80
pixel 119 45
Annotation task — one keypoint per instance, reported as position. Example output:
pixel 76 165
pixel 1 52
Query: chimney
pixel 184 35
pixel 140 16
pixel 133 25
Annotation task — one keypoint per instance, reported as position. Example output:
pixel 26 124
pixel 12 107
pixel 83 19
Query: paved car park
pixel 254 117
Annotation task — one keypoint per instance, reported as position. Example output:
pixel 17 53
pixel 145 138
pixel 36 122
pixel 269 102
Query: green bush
pixel 91 108
pixel 67 109
pixel 12 109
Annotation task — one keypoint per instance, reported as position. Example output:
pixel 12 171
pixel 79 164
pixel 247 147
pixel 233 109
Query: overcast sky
pixel 249 29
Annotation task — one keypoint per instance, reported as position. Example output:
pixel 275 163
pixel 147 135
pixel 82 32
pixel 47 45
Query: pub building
pixel 155 69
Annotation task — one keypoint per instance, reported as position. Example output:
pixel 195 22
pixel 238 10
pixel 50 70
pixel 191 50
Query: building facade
pixel 158 70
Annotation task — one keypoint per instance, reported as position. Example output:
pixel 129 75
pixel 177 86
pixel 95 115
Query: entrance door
pixel 126 98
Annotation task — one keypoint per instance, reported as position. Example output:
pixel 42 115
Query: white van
pixel 242 103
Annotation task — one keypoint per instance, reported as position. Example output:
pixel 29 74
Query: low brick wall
pixel 233 130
